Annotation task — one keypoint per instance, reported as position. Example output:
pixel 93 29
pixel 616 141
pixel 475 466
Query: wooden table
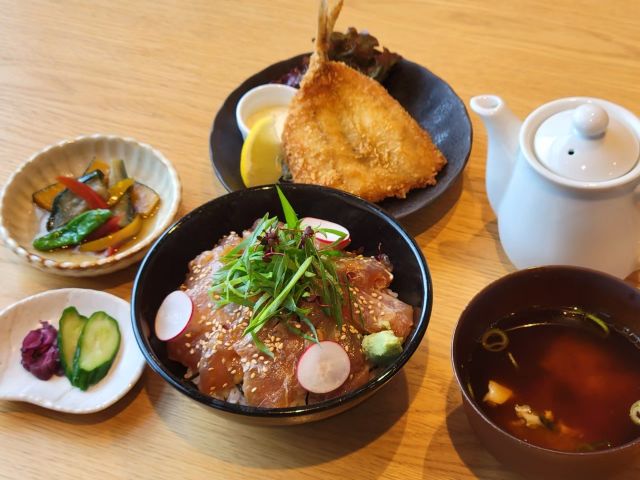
pixel 158 71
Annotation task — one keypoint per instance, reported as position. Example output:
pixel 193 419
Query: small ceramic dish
pixel 20 219
pixel 57 393
pixel 268 96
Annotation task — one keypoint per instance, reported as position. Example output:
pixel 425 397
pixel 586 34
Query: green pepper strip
pixel 73 232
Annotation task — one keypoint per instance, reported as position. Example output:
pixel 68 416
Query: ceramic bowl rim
pixel 421 320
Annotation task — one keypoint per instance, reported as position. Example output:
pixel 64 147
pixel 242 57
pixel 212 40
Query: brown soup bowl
pixel 550 286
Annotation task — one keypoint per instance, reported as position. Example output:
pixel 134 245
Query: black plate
pixel 428 99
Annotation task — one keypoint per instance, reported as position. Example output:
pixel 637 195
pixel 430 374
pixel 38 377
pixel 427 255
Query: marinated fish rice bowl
pixel 316 323
pixel 266 300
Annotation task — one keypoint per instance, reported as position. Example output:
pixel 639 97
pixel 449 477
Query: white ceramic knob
pixel 590 120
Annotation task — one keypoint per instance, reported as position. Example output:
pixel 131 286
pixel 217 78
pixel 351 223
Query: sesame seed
pixel 192 351
pixel 224 385
pixel 253 375
pixel 254 361
pixel 254 389
pixel 255 355
pixel 210 369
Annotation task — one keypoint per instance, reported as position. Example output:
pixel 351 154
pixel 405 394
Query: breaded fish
pixel 345 131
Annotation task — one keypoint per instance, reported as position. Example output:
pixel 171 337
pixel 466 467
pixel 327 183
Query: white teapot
pixel 562 183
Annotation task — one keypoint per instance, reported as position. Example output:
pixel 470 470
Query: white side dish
pixel 57 393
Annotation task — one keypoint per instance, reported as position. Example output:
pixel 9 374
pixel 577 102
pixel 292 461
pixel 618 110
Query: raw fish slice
pixel 345 131
pixel 272 383
pixel 186 347
pixel 219 373
pixel 364 272
pixel 374 308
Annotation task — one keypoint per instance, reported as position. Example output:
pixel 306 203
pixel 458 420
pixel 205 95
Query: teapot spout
pixel 503 129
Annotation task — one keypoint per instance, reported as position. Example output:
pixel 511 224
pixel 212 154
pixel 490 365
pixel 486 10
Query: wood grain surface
pixel 158 71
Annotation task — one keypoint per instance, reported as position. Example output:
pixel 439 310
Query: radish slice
pixel 323 367
pixel 326 238
pixel 173 315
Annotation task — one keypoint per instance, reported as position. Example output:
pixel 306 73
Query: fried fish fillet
pixel 345 131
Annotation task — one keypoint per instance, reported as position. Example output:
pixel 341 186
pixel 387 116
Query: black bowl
pixel 427 98
pixel 165 266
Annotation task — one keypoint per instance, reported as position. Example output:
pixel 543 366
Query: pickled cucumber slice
pixel 70 328
pixel 97 349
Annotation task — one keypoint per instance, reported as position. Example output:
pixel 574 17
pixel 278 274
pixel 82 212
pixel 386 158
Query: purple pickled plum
pixel 40 354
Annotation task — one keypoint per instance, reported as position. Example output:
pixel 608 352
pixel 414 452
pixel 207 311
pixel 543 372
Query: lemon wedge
pixel 261 156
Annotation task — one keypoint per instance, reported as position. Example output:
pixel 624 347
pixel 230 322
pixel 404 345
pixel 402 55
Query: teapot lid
pixel 587 143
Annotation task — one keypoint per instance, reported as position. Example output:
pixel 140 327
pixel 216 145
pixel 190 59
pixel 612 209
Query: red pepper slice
pixel 85 192
pixel 107 228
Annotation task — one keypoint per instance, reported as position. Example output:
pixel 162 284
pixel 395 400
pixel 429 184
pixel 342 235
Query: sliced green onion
pixel 258 321
pixel 495 340
pixel 513 360
pixel 289 213
pixel 597 320
pixel 274 268
pixel 470 389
